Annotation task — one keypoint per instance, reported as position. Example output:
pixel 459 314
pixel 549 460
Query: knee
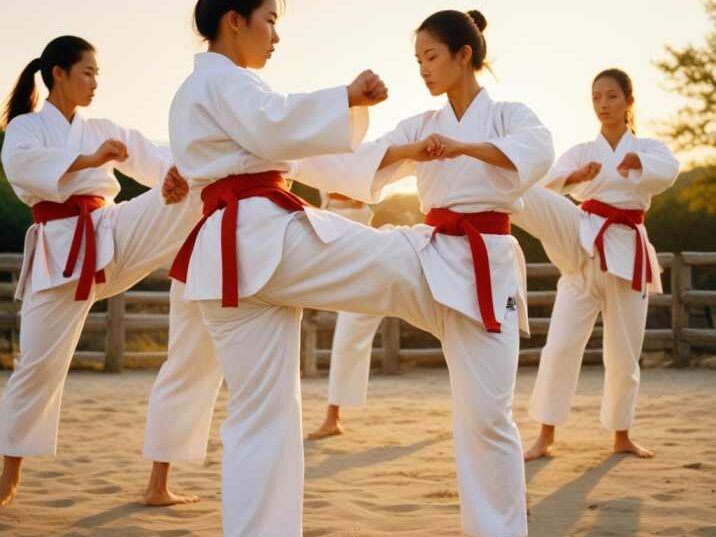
pixel 492 422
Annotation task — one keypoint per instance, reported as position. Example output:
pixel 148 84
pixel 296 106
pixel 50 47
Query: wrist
pixel 351 97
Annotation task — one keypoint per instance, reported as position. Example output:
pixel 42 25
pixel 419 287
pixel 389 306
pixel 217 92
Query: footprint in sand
pixel 316 532
pixel 395 509
pixel 317 504
pixel 442 495
pixel 60 504
pixel 671 532
pixel 663 497
pixel 49 475
pixel 113 489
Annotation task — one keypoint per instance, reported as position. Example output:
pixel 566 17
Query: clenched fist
pixel 631 162
pixel 584 174
pixel 175 187
pixel 367 90
pixel 110 150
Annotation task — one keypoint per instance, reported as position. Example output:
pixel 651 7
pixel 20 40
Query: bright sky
pixel 543 53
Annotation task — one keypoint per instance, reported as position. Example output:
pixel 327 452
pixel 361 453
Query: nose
pixel 276 39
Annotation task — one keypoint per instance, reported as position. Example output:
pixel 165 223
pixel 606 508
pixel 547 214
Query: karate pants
pixel 147 234
pixel 257 344
pixel 583 292
pixel 350 358
pixel 182 400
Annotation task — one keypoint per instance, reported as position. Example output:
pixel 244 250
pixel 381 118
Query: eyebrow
pixel 426 51
pixel 274 14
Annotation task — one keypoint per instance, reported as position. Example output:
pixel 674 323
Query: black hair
pixel 62 52
pixel 624 81
pixel 457 29
pixel 208 14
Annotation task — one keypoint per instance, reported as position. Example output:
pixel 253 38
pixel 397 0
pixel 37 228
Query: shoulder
pixel 25 123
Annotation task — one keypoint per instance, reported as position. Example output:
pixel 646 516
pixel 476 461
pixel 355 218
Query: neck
pixel 614 133
pixel 66 108
pixel 462 95
pixel 228 51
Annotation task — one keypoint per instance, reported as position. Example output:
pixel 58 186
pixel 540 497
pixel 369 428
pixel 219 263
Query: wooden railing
pixel 117 323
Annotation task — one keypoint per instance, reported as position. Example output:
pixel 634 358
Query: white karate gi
pixel 132 239
pixel 226 121
pixel 482 365
pixel 568 235
pixel 353 336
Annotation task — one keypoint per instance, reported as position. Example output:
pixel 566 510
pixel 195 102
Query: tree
pixel 691 72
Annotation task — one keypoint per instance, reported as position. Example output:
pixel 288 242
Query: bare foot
pixel 541 448
pixel 166 497
pixel 623 444
pixel 329 428
pixel 543 444
pixel 158 493
pixel 10 480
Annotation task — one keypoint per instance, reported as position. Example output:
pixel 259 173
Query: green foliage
pixel 691 72
pixel 676 222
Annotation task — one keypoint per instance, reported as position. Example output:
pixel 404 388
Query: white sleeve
pixel 148 163
pixel 659 169
pixel 279 127
pixel 30 165
pixel 528 145
pixel 567 163
pixel 357 175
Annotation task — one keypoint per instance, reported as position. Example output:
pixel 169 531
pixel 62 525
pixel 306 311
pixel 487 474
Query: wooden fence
pixel 117 322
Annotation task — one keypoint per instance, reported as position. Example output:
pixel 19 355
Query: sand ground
pixel 393 473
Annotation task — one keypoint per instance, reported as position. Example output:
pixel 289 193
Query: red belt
pixel 225 194
pixel 80 206
pixel 474 225
pixel 626 217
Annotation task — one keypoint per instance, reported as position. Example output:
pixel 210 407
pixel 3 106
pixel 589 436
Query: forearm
pixel 397 153
pixel 489 154
pixel 84 162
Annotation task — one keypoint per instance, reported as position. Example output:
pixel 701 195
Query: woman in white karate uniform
pixel 259 256
pixel 607 263
pixel 82 247
pixel 475 268
pixel 352 338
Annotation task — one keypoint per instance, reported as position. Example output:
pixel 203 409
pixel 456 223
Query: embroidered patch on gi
pixel 511 304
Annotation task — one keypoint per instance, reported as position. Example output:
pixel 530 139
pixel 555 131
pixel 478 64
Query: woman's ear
pixel 466 55
pixel 58 73
pixel 235 22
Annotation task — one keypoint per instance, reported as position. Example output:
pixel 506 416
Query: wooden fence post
pixel 309 342
pixel 116 332
pixel 681 281
pixel 391 346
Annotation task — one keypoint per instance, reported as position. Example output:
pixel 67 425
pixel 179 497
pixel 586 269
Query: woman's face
pixel 610 103
pixel 77 86
pixel 257 37
pixel 440 69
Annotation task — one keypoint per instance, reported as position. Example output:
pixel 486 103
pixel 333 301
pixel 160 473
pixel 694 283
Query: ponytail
pixel 62 52
pixel 23 98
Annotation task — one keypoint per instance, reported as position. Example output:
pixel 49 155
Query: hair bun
pixel 478 18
